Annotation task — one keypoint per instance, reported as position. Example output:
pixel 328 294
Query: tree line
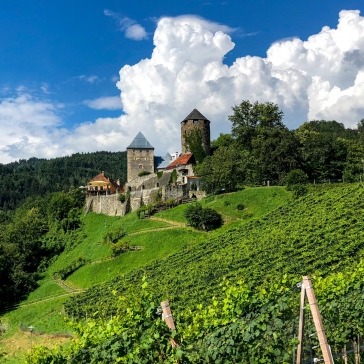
pixel 260 148
pixel 36 177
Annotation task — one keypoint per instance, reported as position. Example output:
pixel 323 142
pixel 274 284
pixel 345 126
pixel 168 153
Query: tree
pixel 202 218
pixel 324 148
pixel 248 118
pixel 224 170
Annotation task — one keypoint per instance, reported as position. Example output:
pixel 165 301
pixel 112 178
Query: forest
pixel 260 148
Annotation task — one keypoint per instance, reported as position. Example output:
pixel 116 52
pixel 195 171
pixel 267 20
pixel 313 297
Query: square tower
pixel 140 157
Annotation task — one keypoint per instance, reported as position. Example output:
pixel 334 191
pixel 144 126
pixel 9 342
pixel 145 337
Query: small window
pixel 157 184
pixel 140 166
pixel 143 187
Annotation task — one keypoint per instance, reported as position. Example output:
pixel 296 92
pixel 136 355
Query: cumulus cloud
pixel 130 28
pixel 104 103
pixel 318 78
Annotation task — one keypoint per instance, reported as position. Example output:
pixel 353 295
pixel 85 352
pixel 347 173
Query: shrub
pixel 296 177
pixel 112 236
pixel 71 268
pixel 226 203
pixel 299 190
pixel 202 218
pixel 240 207
pixel 122 198
pixel 120 248
pixel 143 173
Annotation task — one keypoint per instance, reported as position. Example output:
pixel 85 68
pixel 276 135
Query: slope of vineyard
pixel 320 233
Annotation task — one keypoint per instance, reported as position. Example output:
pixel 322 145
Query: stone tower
pixel 140 157
pixel 195 121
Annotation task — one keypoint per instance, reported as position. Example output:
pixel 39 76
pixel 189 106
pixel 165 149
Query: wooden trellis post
pixel 168 319
pixel 307 291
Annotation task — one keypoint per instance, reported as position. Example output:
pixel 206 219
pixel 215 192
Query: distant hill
pixel 34 177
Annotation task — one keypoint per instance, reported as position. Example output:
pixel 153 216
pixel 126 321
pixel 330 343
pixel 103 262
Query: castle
pixel 152 179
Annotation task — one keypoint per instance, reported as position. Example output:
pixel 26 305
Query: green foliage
pixel 159 174
pixel 240 207
pixel 202 218
pixel 122 198
pixel 248 119
pixel 71 268
pixel 120 248
pixel 173 177
pixel 194 143
pixel 296 177
pixel 143 173
pixel 112 236
pixel 299 190
pixel 223 171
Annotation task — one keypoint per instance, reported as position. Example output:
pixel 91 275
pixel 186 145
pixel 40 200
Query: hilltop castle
pixel 151 179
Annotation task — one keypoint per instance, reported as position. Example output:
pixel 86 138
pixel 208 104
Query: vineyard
pixel 319 234
pixel 234 295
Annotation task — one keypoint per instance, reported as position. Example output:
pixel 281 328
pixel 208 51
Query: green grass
pixel 44 316
pixel 156 245
pixel 47 287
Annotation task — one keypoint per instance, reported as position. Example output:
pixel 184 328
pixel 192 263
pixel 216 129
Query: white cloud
pixel 130 28
pixel 318 78
pixel 104 103
pixel 91 79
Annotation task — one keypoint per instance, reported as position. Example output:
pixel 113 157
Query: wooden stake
pixel 301 325
pixel 326 352
pixel 168 319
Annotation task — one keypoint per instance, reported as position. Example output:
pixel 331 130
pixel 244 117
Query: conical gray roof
pixel 140 142
pixel 195 115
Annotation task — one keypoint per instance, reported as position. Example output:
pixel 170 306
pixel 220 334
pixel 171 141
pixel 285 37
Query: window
pixel 140 166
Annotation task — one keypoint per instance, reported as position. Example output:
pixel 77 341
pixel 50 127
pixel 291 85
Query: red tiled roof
pixel 182 160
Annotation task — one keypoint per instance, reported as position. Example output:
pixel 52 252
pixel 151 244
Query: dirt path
pixel 170 222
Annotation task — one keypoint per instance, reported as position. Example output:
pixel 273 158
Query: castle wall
pixel 105 204
pixel 139 160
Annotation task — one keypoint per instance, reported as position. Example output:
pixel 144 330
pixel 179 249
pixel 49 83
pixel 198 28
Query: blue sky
pixel 60 62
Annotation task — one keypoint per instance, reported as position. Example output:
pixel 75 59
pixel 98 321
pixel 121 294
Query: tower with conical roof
pixel 195 122
pixel 140 157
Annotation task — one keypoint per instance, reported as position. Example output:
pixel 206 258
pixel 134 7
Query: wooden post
pixel 168 319
pixel 326 352
pixel 301 325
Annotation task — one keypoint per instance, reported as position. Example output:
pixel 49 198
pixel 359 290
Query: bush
pixel 67 271
pixel 240 207
pixel 203 218
pixel 296 177
pixel 122 198
pixel 112 236
pixel 120 248
pixel 143 173
pixel 299 190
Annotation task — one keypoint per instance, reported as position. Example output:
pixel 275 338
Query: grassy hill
pixel 273 237
pixel 320 233
pixel 160 237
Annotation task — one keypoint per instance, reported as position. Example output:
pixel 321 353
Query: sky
pixel 85 76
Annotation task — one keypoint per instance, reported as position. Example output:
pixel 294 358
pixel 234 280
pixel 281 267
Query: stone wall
pixel 105 204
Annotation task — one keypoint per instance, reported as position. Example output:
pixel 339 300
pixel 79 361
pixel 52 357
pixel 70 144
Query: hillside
pixel 162 236
pixel 263 250
pixel 319 233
